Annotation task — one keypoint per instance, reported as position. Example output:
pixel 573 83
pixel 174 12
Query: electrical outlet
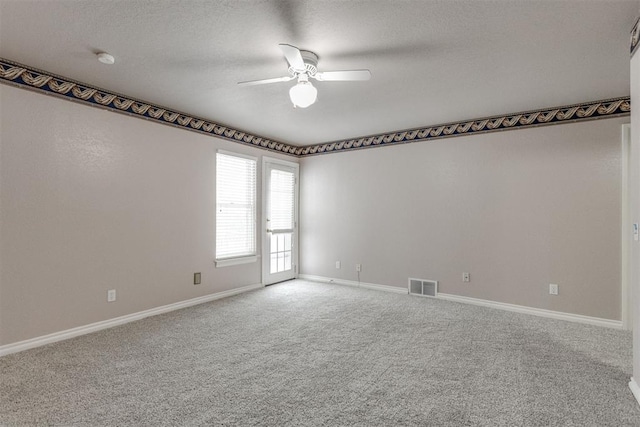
pixel 466 277
pixel 553 289
pixel 197 278
pixel 358 267
pixel 338 264
pixel 111 295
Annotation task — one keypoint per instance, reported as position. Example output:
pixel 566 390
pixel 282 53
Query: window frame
pixel 238 259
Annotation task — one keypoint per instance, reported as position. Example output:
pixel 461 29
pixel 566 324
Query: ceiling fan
pixel 303 65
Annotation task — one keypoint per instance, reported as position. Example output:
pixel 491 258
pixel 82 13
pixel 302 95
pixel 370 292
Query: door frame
pixel 263 227
pixel 626 307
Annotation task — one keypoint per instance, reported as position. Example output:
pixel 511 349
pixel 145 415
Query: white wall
pixel 517 210
pixel 90 201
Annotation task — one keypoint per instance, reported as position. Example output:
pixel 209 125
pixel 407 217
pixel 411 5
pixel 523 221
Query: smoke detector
pixel 105 58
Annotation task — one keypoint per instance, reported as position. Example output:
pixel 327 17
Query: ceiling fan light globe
pixel 303 94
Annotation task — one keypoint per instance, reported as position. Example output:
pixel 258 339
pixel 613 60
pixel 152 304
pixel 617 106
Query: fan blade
pixel 265 81
pixel 293 55
pixel 350 75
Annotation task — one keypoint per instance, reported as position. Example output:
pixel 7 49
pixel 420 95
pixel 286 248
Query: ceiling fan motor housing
pixel 310 63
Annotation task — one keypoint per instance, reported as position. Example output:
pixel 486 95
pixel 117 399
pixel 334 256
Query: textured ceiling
pixel 432 61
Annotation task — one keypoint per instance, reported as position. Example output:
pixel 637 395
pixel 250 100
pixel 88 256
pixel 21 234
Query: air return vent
pixel 423 288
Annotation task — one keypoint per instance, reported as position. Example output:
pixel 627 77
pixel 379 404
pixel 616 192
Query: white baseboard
pixel 385 288
pixel 105 324
pixel 615 324
pixel 635 389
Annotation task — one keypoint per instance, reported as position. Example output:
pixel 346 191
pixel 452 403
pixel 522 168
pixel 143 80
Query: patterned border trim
pixel 572 113
pixel 30 78
pixel 635 37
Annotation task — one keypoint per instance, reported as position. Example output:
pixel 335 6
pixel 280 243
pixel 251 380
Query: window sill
pixel 236 261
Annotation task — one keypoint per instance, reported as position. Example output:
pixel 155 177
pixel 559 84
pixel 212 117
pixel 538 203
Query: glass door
pixel 280 237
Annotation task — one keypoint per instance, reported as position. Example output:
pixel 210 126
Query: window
pixel 235 209
pixel 281 211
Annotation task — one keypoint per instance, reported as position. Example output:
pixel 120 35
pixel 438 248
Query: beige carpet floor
pixel 309 354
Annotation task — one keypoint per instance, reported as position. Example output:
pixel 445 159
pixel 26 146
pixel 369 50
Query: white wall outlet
pixel 338 265
pixel 358 267
pixel 466 277
pixel 111 295
pixel 553 289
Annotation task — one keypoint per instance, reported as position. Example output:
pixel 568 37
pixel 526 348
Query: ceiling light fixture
pixel 105 58
pixel 303 94
pixel 303 65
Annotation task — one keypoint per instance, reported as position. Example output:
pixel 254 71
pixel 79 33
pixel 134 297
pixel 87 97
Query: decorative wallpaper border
pixel 635 37
pixel 571 113
pixel 31 78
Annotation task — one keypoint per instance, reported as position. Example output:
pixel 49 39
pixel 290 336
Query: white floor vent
pixel 423 288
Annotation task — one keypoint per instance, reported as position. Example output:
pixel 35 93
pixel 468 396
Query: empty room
pixel 319 213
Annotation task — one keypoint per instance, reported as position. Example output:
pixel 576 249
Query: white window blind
pixel 281 197
pixel 235 206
